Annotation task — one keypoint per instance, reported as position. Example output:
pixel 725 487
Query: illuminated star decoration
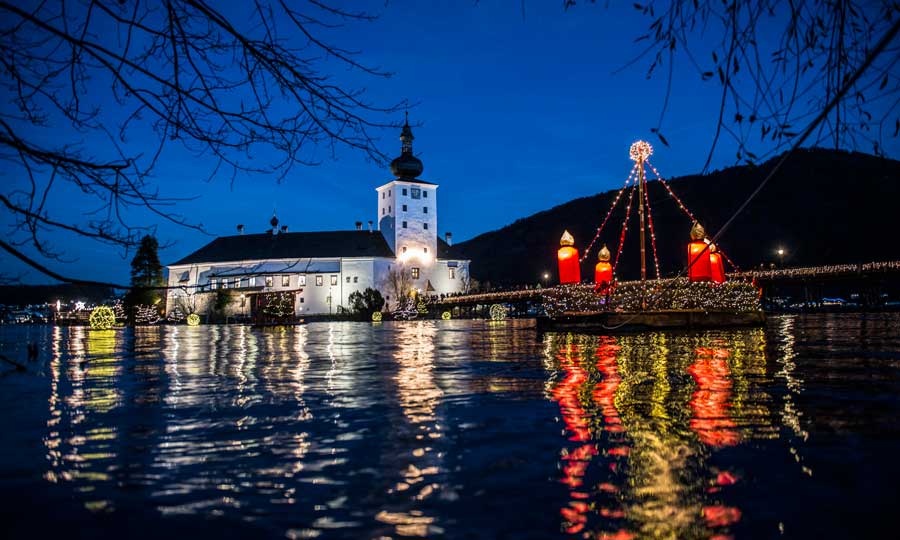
pixel 640 151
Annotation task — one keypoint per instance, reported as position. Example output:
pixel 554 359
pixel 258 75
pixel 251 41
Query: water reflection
pixel 650 419
pixel 460 429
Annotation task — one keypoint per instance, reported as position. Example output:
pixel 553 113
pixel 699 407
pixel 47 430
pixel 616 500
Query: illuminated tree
pixel 233 82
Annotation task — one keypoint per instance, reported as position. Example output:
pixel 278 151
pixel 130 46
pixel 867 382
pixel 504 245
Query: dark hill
pixel 823 206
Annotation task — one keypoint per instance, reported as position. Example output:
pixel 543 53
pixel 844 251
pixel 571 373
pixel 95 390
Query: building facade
pixel 318 271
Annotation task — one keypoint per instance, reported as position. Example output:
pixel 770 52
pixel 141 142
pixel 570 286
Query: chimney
pixel 240 229
pixel 284 229
pixel 359 225
pixel 448 237
pixel 370 225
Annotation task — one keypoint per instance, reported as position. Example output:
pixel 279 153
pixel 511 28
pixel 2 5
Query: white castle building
pixel 322 269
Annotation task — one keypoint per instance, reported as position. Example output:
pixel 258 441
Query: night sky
pixel 517 115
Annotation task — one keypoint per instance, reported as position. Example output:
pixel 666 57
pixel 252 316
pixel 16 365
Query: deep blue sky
pixel 518 115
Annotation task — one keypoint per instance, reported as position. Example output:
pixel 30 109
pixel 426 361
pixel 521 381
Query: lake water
pixel 454 429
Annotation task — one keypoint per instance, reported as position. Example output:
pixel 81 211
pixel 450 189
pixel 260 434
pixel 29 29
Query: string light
pixel 624 230
pixel 664 294
pixel 652 233
pixel 688 212
pixel 608 214
pixel 640 151
pixel 498 312
pixel 102 318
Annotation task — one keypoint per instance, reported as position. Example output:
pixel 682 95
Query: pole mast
pixel 641 188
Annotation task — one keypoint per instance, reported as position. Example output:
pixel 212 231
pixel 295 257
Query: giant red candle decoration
pixel 569 268
pixel 717 267
pixel 603 272
pixel 698 255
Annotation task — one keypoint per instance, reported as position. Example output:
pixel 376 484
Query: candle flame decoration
pixel 603 255
pixel 567 239
pixel 697 231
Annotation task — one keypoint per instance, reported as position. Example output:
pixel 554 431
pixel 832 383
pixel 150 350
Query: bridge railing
pixel 820 271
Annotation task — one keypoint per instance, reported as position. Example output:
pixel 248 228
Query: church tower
pixel 407 208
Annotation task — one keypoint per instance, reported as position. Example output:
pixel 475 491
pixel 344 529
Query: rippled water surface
pixel 454 429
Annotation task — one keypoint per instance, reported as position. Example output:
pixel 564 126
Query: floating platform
pixel 629 321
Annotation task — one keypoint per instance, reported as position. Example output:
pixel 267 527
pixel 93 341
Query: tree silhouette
pixel 230 83
pixel 146 275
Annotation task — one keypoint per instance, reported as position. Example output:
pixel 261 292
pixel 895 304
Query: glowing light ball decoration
pixel 640 151
pixel 717 267
pixel 699 268
pixel 102 318
pixel 567 256
pixel 603 274
pixel 421 308
pixel 376 317
pixel 193 319
pixel 499 312
pixel 446 316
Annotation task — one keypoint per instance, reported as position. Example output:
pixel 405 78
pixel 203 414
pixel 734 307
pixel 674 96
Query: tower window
pixel 425 209
pixel 425 226
pixel 404 208
pixel 355 279
pixel 383 210
pixel 452 273
pixel 414 272
pixel 416 193
pixel 334 280
pixel 404 192
pixel 318 281
pixel 389 209
pixel 348 279
pixel 383 194
pixel 425 194
pixel 404 224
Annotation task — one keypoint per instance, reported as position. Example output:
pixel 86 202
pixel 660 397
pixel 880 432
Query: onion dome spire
pixel 406 166
pixel 274 221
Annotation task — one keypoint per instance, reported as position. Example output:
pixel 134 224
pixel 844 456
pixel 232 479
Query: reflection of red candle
pixel 576 421
pixel 709 403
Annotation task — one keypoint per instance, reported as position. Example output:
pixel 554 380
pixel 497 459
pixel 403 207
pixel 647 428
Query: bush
pixel 367 302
